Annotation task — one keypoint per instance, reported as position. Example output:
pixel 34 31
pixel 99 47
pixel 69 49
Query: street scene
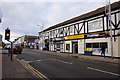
pixel 40 41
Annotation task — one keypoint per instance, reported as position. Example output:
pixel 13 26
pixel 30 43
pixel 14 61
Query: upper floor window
pixel 61 31
pixel 95 24
pixel 71 29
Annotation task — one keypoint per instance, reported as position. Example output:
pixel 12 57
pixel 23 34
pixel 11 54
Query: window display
pixel 68 47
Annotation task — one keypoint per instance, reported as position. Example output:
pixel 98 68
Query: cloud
pixel 24 17
pixel 56 0
pixel 59 12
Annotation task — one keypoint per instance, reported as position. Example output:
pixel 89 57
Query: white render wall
pixel 119 46
pixel 115 47
pixel 81 46
pixel 51 46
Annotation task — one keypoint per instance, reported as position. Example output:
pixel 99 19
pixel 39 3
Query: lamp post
pixel 41 35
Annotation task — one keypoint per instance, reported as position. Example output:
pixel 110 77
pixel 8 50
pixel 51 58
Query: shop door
pixel 47 46
pixel 74 47
pixel 55 47
pixel 58 47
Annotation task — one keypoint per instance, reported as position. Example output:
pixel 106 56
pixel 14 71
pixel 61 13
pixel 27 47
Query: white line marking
pixel 39 60
pixel 64 62
pixel 103 71
pixel 28 61
pixel 51 59
pixel 45 59
pixel 70 63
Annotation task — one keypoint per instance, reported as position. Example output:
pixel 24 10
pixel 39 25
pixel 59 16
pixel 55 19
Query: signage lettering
pixel 75 37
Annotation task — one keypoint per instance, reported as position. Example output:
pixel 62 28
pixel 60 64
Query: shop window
pixel 67 46
pixel 104 44
pixel 95 45
pixel 88 45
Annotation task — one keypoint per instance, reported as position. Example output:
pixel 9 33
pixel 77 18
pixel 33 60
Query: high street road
pixel 54 66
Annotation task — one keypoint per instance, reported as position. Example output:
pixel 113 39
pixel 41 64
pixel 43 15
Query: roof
pixel 30 36
pixel 27 36
pixel 98 11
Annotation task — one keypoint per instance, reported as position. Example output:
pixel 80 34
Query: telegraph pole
pixel 110 29
pixel 109 17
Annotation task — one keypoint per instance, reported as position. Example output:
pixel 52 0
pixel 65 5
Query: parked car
pixel 44 48
pixel 16 49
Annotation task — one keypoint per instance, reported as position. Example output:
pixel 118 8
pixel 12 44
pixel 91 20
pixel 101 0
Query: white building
pixel 86 32
pixel 25 40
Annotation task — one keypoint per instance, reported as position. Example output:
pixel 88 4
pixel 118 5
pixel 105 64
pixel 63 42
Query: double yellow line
pixel 40 75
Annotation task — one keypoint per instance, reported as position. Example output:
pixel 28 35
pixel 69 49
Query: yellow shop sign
pixel 75 37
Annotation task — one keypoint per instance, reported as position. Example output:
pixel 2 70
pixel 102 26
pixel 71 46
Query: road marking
pixel 39 60
pixel 29 61
pixel 21 61
pixel 51 59
pixel 40 75
pixel 65 62
pixel 103 71
pixel 61 61
pixel 36 71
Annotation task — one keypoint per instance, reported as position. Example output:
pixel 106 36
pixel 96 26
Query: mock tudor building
pixel 86 32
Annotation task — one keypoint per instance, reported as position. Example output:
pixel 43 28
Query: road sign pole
pixel 11 50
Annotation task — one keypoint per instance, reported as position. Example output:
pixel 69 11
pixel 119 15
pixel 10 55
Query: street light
pixel 41 35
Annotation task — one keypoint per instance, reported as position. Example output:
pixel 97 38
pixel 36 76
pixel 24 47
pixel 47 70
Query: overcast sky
pixel 23 17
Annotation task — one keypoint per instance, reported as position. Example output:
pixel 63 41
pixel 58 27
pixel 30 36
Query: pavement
pixel 14 69
pixel 82 56
pixel 0 64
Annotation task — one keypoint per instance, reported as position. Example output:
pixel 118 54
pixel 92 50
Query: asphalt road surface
pixel 55 66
